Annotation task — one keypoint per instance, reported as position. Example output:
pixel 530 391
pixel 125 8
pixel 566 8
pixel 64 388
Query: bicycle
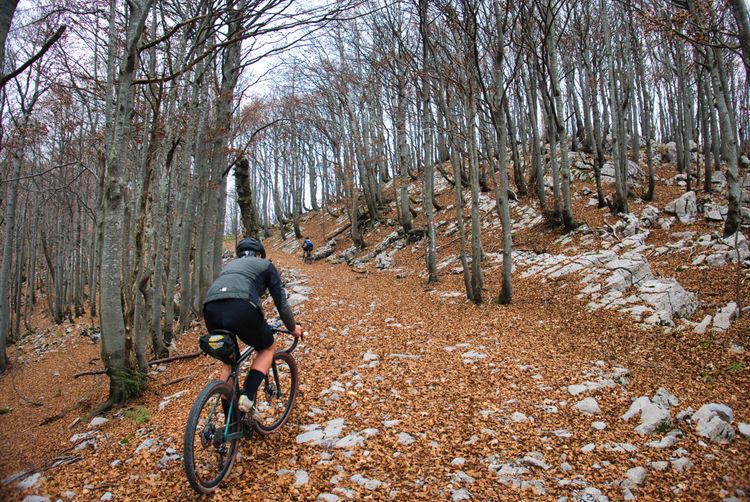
pixel 307 256
pixel 217 431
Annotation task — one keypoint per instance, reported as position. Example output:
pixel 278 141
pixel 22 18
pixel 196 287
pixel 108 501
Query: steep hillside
pixel 586 386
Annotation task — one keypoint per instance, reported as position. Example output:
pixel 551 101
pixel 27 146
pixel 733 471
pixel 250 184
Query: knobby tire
pixel 209 398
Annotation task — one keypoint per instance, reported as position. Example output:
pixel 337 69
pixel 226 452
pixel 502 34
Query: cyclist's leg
pixel 226 315
pixel 258 334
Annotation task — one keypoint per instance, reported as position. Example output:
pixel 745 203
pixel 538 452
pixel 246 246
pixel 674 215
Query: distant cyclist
pixel 307 247
pixel 233 304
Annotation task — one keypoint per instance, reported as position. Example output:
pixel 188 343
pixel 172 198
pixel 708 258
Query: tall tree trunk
pixel 426 120
pixel 729 140
pixel 124 381
pixel 8 233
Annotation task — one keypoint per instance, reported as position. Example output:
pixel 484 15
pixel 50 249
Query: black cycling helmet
pixel 252 245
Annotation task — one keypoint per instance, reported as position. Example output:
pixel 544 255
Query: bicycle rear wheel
pixel 210 440
pixel 275 397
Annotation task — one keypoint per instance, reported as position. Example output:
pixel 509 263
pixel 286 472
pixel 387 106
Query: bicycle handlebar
pixel 287 332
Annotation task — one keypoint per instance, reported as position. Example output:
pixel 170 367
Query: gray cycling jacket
pixel 247 279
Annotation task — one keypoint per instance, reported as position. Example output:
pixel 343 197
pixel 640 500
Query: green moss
pixel 129 383
pixel 139 414
pixel 736 367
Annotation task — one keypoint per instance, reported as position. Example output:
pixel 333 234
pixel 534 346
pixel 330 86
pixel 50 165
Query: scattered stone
pixel 301 477
pixel 327 497
pixel 664 398
pixel 660 465
pixel 599 426
pixel 405 438
pixel 168 399
pixel 366 483
pixel 619 447
pixel 461 477
pixel 665 442
pixel 35 498
pixel 723 318
pixel 106 496
pixel 635 477
pixel 313 436
pixel 535 459
pixel 685 207
pixel 29 481
pixel 574 390
pixel 461 494
pixel 744 430
pixel 681 464
pixel 369 356
pixel 171 455
pixel 588 448
pixel 458 461
pixel 97 421
pixel 702 326
pixel 653 416
pixel 714 421
pixel 350 441
pixel 472 355
pixel 520 417
pixel 588 406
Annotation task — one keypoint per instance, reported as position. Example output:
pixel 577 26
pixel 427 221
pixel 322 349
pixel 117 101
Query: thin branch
pixel 49 43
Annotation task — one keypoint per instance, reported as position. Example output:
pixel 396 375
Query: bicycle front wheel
pixel 210 440
pixel 275 397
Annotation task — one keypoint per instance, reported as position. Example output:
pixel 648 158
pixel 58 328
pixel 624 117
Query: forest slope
pixel 418 394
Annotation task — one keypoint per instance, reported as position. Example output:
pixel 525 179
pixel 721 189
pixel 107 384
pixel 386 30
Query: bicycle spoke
pixel 275 398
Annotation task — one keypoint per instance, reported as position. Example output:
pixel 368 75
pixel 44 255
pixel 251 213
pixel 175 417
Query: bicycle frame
pixel 244 356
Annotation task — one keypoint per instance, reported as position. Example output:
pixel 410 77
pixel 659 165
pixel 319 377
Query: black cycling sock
pixel 252 382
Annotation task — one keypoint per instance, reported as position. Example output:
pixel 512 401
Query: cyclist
pixel 233 304
pixel 307 247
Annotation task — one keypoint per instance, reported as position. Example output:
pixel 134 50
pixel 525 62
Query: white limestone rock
pixel 97 421
pixel 681 464
pixel 667 295
pixel 714 421
pixel 460 495
pixel 685 207
pixel 702 326
pixel 649 216
pixel 599 426
pixel 653 417
pixel 314 437
pixel 725 315
pixel 588 406
pixel 405 438
pixel 635 477
pixel 664 398
pixel 660 465
pixel 301 477
pixel 366 483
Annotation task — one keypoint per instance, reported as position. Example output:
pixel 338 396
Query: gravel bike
pixel 307 256
pixel 214 429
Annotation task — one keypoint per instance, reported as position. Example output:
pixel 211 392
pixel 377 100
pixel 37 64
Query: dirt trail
pixel 417 394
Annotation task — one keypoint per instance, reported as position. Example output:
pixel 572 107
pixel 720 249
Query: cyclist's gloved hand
pixel 298 332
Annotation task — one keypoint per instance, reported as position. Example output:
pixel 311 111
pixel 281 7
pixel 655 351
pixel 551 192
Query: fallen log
pixel 150 363
pixel 175 358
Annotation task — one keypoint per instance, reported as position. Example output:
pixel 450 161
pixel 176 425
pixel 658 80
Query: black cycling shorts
pixel 241 318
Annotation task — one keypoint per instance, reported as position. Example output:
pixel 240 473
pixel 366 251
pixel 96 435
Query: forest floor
pixel 442 398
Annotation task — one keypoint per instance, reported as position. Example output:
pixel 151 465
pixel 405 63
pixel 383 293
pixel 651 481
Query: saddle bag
pixel 220 345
